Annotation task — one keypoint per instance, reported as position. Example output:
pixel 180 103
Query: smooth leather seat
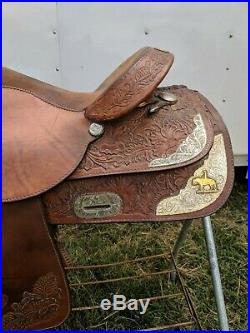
pixel 68 100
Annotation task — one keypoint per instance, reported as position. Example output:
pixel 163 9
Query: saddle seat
pixel 68 100
pixel 46 129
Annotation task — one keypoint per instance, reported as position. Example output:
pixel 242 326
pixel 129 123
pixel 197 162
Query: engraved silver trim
pixel 191 198
pixel 96 205
pixel 188 149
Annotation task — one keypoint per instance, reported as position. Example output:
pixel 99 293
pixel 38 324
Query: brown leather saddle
pixel 128 152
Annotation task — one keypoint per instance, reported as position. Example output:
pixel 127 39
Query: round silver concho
pixel 96 129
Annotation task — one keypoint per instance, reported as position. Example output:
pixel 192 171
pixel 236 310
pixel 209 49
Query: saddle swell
pixel 161 154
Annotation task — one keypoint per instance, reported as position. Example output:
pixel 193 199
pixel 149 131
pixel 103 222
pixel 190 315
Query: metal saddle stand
pixel 214 266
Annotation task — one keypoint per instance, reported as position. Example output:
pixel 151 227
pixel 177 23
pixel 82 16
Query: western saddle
pixel 128 152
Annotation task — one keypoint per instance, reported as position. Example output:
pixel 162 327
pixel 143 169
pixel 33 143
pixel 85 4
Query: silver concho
pixel 96 129
pixel 96 205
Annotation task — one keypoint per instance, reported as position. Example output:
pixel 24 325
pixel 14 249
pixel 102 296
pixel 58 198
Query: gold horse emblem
pixel 205 184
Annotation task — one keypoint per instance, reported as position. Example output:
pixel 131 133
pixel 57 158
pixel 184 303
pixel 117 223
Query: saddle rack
pixel 171 273
pixel 182 295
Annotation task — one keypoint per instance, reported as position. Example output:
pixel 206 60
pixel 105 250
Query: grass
pixel 88 244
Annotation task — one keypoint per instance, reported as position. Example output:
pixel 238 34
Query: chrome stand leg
pixel 178 244
pixel 214 267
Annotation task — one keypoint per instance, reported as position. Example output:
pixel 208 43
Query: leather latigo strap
pixel 34 289
pixel 162 171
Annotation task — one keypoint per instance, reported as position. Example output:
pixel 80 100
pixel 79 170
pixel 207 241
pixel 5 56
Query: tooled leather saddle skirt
pixel 128 152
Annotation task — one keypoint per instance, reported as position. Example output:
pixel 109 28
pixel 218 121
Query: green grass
pixel 91 244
